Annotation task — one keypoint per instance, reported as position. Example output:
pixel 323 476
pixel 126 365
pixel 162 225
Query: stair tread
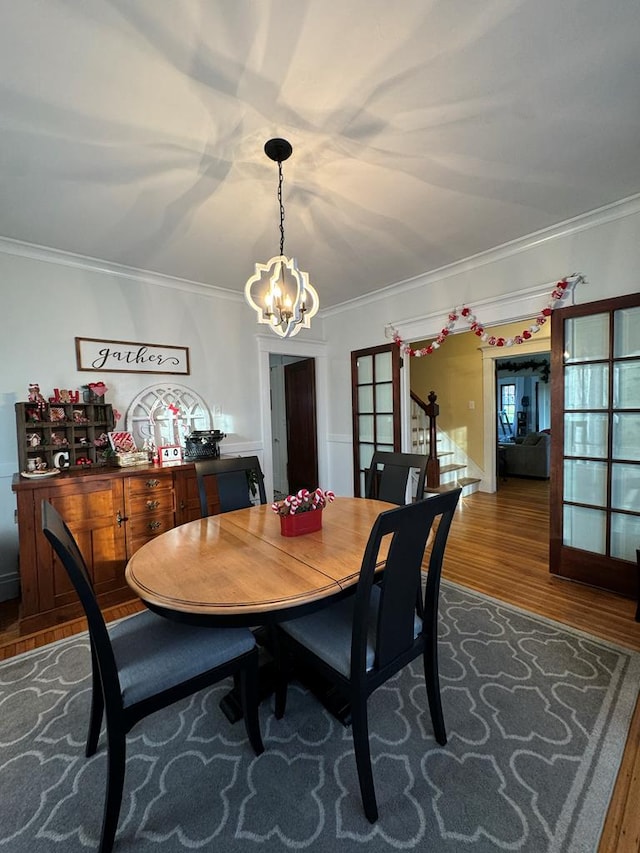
pixel 444 487
pixel 468 481
pixel 445 469
pixel 440 455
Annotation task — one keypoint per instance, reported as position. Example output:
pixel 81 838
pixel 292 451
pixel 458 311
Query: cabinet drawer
pixel 154 503
pixel 148 527
pixel 147 484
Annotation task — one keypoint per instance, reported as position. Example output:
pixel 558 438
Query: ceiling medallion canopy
pixel 278 291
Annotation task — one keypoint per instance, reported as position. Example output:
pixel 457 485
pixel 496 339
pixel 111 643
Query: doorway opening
pixel 294 441
pixel 523 396
pixel 523 411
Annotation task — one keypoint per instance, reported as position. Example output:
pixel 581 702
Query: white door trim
pixel 489 357
pixel 301 349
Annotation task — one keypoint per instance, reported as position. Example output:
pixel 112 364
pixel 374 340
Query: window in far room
pixel 507 409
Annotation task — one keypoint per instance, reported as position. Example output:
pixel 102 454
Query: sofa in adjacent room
pixel 529 456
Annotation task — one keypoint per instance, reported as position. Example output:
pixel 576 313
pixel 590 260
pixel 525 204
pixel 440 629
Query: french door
pixel 595 429
pixel 375 392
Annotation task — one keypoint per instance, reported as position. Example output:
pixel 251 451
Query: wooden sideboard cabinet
pixel 112 512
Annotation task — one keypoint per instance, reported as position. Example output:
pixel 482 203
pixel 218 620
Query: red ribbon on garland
pixel 558 293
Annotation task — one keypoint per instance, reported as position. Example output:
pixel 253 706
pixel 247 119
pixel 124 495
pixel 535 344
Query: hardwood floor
pixel 498 546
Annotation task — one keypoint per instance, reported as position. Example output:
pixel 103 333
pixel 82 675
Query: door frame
pixel 490 402
pixel 302 349
pixel 499 310
pixel 396 373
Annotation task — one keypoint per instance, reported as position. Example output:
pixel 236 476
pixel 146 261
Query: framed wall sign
pixel 93 354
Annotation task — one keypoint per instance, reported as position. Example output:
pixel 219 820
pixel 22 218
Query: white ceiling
pixel 424 131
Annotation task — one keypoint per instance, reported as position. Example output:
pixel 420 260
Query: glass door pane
pixel 627 332
pixel 625 487
pixel 586 338
pixel 626 436
pixel 586 434
pixel 582 477
pixel 585 528
pixel 586 386
pixel 626 384
pixel 384 367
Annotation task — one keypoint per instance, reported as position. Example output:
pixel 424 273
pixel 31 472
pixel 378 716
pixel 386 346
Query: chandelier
pixel 289 301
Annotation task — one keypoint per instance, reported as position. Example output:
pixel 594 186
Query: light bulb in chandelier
pixel 290 301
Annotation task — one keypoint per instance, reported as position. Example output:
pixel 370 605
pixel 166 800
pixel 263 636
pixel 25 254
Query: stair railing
pixel 431 410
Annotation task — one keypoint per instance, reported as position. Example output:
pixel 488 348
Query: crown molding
pixel 9 246
pixel 609 213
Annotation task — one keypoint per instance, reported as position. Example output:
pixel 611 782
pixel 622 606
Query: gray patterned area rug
pixel 537 716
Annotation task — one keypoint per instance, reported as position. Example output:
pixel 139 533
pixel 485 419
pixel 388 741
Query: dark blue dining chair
pixel 387 478
pixel 361 641
pixel 237 478
pixel 145 663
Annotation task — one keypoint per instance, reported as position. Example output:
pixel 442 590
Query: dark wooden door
pixel 302 443
pixel 595 448
pixel 375 396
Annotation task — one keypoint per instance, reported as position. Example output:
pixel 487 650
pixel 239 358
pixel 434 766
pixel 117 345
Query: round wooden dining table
pixel 238 569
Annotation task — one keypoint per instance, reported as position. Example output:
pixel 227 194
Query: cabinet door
pixel 90 510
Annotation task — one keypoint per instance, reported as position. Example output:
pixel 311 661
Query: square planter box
pixel 304 522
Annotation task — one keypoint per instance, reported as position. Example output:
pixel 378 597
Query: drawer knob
pixel 153 504
pixel 154 525
pixel 151 484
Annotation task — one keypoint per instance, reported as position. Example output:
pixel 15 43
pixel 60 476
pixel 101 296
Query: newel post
pixel 433 463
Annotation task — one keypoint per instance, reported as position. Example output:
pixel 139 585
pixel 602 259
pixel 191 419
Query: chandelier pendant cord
pixel 281 205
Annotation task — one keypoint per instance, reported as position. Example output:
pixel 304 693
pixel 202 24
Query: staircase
pixel 452 471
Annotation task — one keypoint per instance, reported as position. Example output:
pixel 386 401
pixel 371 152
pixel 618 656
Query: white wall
pixel 46 303
pixel 506 284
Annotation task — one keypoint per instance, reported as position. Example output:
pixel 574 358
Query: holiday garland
pixel 560 290
pixel 543 367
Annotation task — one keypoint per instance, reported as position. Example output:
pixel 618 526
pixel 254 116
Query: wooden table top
pixel 238 564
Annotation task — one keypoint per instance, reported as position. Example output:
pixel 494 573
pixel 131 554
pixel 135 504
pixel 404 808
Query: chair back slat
pixel 434 573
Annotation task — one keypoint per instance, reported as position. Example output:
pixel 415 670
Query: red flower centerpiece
pixel 302 513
